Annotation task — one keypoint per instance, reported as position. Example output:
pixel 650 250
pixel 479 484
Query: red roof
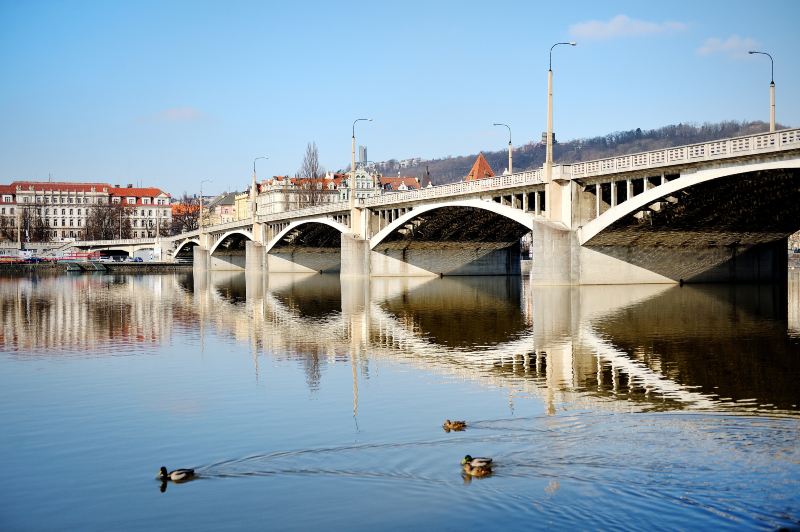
pixel 48 186
pixel 393 183
pixel 42 186
pixel 480 170
pixel 148 192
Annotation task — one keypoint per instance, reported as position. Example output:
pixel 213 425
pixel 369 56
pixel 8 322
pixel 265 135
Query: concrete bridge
pixel 712 212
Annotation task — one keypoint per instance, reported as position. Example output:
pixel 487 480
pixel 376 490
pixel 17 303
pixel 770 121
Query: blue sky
pixel 169 93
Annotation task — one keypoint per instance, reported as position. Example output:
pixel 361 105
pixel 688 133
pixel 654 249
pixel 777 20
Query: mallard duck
pixel 179 475
pixel 477 471
pixel 477 467
pixel 453 425
pixel 477 461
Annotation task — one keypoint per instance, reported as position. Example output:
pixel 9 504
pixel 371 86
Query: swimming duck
pixel 477 467
pixel 179 475
pixel 476 462
pixel 477 471
pixel 453 425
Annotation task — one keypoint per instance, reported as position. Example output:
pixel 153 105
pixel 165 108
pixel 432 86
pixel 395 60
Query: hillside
pixel 532 155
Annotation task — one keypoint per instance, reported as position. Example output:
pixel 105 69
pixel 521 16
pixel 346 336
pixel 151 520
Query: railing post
pixel 598 190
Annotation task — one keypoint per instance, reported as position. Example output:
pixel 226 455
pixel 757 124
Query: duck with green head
pixel 478 466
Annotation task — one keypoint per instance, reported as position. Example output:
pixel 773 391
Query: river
pixel 314 402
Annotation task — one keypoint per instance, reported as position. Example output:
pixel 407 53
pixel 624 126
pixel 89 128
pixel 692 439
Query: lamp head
pixel 751 52
pixel 573 43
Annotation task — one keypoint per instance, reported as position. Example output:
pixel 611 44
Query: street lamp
pixel 253 189
pixel 548 161
pixel 201 202
pixel 771 89
pixel 353 167
pixel 510 170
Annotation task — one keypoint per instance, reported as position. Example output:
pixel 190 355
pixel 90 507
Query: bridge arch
pixel 237 232
pixel 525 219
pixel 685 182
pixel 300 223
pixel 183 244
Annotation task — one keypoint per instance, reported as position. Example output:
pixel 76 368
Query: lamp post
pixel 201 202
pixel 771 89
pixel 510 170
pixel 548 161
pixel 253 189
pixel 353 161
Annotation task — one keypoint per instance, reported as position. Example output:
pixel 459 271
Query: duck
pixel 453 425
pixel 178 475
pixel 477 467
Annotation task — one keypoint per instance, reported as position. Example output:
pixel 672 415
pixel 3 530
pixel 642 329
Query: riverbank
pixel 94 267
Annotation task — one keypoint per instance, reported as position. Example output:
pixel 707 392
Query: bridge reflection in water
pixel 645 347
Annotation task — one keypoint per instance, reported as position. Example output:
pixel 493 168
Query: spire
pixel 480 170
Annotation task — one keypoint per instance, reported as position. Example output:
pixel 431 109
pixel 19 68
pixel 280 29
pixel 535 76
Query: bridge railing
pixel 117 242
pixel 529 177
pixel 337 206
pixel 717 149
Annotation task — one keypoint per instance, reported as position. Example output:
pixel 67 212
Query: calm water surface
pixel 310 402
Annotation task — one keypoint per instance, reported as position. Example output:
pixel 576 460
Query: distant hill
pixel 531 155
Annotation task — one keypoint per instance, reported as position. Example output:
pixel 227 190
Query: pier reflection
pixel 646 347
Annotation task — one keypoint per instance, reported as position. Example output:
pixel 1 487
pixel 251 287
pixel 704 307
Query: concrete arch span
pixel 228 252
pixel 185 245
pixel 522 218
pixel 319 237
pixel 306 246
pixel 464 237
pixel 684 182
pixel 232 240
pixel 723 224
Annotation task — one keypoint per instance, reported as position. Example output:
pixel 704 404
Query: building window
pixel 63 212
pixel 131 201
pixel 135 234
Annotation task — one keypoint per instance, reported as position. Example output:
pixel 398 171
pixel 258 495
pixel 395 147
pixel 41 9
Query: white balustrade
pixel 718 149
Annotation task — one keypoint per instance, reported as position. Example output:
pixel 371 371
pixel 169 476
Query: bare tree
pixel 311 186
pixel 108 222
pixel 8 228
pixel 311 168
pixel 34 227
pixel 186 215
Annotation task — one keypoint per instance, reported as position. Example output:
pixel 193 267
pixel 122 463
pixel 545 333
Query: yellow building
pixel 242 204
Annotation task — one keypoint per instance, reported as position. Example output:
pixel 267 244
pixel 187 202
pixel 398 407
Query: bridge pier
pixel 254 258
pixel 355 256
pixel 199 260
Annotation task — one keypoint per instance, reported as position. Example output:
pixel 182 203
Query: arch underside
pixel 185 250
pixel 726 225
pixel 307 247
pixel 454 240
